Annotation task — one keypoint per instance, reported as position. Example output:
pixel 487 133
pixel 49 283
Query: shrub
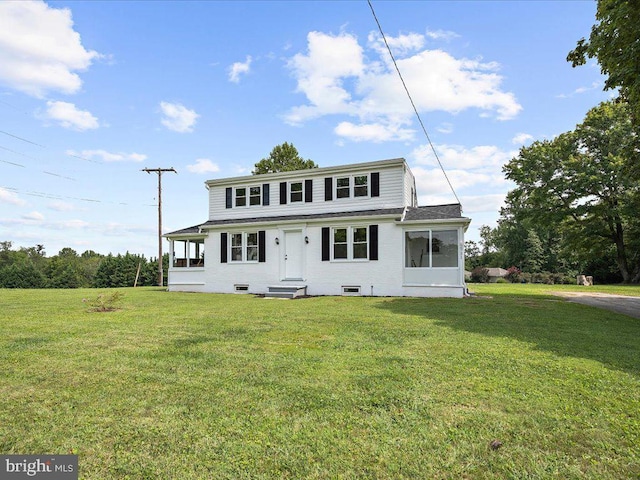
pixel 480 275
pixel 514 275
pixel 105 302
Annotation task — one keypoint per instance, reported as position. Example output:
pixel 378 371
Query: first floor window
pixel 188 253
pixel 350 243
pixel 252 247
pixel 340 244
pixel 236 247
pixel 431 248
pixel 244 247
pixel 360 244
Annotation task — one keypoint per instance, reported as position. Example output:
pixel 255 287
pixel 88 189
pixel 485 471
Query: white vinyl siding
pixel 392 186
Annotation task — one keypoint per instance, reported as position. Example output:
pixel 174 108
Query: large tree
pixel 583 182
pixel 615 42
pixel 283 158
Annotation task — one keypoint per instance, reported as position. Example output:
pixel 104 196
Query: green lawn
pixel 203 386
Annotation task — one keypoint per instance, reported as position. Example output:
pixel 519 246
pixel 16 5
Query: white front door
pixel 293 255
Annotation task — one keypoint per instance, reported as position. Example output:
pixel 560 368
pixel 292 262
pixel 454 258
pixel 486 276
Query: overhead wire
pixel 23 139
pixel 64 197
pixel 45 194
pixel 435 153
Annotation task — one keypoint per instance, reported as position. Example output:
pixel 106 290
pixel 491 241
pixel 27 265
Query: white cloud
pixel 106 156
pixel 373 132
pixel 521 138
pixel 60 206
pixel 492 202
pixel 11 198
pixel 68 115
pixel 457 156
pixel 321 73
pixel 445 127
pixel 441 35
pixel 203 165
pixel 580 90
pixel 238 69
pixel 337 76
pixel 431 181
pixel 177 117
pixel 39 49
pixel 67 224
pixel 400 46
pixel 33 216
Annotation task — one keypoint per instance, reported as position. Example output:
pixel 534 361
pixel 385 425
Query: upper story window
pixel 353 186
pixel 254 196
pixel 241 197
pixel 296 192
pixel 248 196
pixel 343 187
pixel 361 186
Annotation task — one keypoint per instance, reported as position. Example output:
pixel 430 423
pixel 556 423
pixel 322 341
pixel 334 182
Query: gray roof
pixel 185 231
pixel 431 212
pixel 434 212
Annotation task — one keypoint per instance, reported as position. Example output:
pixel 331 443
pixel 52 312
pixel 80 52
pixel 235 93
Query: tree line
pixel 29 267
pixel 576 205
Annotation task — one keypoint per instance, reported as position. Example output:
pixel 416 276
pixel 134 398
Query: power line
pixel 13 163
pixel 23 139
pixel 65 197
pixel 412 103
pixel 83 158
pixel 32 158
pixel 17 153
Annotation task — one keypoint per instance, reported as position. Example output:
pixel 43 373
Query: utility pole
pixel 159 171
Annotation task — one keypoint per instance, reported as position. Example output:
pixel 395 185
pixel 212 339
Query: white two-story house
pixel 345 230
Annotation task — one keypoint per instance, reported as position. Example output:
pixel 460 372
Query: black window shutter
pixel 262 244
pixel 223 247
pixel 373 242
pixel 229 197
pixel 308 191
pixel 265 194
pixel 375 184
pixel 283 193
pixel 328 189
pixel 326 232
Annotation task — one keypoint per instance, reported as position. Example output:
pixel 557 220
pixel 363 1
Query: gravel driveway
pixel 616 303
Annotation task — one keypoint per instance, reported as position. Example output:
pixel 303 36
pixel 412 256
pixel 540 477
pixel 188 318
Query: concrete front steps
pixel 286 291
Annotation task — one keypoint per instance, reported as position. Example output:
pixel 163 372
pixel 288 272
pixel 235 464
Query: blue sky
pixel 93 92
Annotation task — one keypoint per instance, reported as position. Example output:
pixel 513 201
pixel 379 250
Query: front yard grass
pixel 199 386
